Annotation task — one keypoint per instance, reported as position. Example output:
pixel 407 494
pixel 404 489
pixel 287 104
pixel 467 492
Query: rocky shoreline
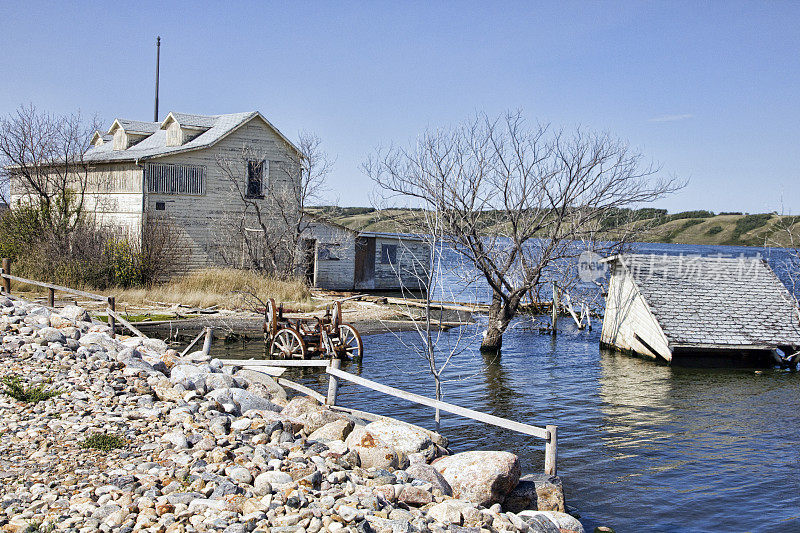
pixel 204 447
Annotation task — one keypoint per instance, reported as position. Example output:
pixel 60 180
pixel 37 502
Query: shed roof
pixel 155 145
pixel 390 235
pixel 715 302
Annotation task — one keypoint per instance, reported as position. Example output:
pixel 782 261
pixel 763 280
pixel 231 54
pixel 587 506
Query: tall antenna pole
pixel 158 60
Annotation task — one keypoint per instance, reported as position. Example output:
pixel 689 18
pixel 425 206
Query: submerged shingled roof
pixel 155 145
pixel 716 302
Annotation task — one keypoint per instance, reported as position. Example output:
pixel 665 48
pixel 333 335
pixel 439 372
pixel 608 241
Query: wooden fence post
pixel 207 341
pixel 7 270
pixel 554 310
pixel 112 304
pixel 333 383
pixel 551 451
pixel 51 297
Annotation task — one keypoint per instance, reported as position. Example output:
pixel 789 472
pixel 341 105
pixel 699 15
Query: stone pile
pixel 213 448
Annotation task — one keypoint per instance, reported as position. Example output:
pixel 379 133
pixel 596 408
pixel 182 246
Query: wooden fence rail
pixel 5 274
pixel 548 433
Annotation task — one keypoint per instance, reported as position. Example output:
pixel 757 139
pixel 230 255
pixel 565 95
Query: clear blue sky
pixel 710 90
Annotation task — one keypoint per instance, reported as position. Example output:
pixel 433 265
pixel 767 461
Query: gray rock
pixel 428 473
pixel 275 479
pixel 239 474
pixel 51 335
pixel 189 372
pixel 372 451
pixel 404 438
pixel 75 314
pixel 536 492
pixel 312 414
pixel 336 430
pixel 243 399
pixel 551 522
pixel 219 381
pixel 481 477
pixel 254 377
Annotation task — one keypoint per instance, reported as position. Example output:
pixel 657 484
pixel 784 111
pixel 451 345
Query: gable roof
pixel 715 302
pixel 155 145
pixel 136 127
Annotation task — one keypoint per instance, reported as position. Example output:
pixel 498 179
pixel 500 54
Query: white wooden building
pixel 180 170
pixel 141 173
pixel 667 306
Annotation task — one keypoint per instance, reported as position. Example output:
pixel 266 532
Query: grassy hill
pixel 689 227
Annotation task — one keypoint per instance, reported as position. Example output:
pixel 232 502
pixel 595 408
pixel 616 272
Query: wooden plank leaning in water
pixel 125 323
pixel 301 388
pixel 519 427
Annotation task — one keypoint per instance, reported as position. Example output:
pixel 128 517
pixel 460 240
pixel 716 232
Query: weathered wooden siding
pixel 412 256
pixel 335 256
pixel 628 316
pixel 206 219
pixel 113 195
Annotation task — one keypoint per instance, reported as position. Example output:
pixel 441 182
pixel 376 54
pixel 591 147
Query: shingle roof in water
pixel 716 301
pixel 155 145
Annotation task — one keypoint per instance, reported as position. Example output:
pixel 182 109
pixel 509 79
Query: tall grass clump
pixel 224 287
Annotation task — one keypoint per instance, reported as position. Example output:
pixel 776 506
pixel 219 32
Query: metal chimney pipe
pixel 158 61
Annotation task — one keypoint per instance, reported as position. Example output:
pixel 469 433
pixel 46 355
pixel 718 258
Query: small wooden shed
pixel 668 306
pixel 339 258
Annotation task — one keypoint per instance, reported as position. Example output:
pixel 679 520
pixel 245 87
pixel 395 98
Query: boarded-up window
pixel 389 254
pixel 255 179
pixel 165 178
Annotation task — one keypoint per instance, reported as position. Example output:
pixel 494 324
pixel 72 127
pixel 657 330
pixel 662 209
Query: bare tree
pixel 273 197
pixel 513 200
pixel 41 159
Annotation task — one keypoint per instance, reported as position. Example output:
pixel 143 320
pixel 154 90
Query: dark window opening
pixel 160 206
pixel 175 179
pixel 255 178
pixel 389 254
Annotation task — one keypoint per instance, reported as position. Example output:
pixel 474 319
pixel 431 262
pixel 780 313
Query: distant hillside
pixel 688 227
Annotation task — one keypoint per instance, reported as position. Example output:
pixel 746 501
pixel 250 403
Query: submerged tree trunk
pixel 501 312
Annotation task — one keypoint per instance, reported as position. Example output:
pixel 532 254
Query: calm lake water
pixel 642 447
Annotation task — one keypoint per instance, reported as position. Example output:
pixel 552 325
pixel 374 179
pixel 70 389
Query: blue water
pixel 642 447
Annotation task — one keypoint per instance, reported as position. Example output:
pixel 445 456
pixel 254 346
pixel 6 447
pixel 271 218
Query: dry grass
pixel 222 287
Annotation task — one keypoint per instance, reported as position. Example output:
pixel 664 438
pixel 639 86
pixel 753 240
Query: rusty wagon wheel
pixel 288 344
pixel 349 342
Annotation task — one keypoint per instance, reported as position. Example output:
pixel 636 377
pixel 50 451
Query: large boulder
pixel 244 400
pixel 538 492
pixel 75 314
pixel 563 522
pixel 404 438
pixel 190 373
pixel 336 430
pixel 259 379
pixel 313 415
pixel 374 452
pixel 101 339
pixel 51 334
pixel 481 477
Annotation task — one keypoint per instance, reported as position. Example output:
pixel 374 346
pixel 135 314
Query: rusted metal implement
pixel 303 337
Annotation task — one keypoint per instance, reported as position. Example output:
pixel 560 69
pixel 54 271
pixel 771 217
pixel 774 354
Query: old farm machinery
pixel 304 337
